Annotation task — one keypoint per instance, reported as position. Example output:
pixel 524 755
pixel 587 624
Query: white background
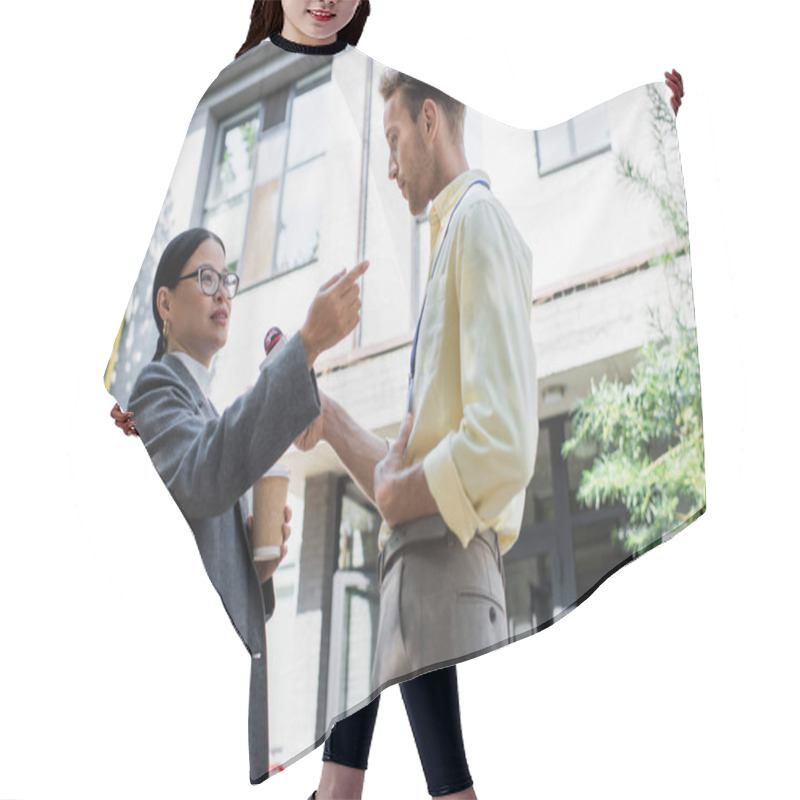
pixel 118 675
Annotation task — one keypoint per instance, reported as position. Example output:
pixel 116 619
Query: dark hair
pixel 416 92
pixel 266 19
pixel 170 265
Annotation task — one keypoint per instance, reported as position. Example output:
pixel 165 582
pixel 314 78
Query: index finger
pixel 331 281
pixel 355 273
pixel 408 423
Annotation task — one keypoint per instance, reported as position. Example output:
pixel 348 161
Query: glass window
pixel 355 601
pixel 302 207
pixel 529 593
pixel 540 499
pixel 309 110
pixel 358 533
pixel 580 460
pixel 580 137
pixel 597 553
pixel 263 197
pixel 264 201
pixel 228 195
pixel 361 623
pixel 233 168
pixel 591 132
pixel 301 214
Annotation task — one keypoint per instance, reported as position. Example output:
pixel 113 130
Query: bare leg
pixel 345 783
pixel 341 783
pixel 344 759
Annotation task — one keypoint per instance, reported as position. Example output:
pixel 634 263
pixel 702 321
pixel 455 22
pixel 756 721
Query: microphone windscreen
pixel 274 342
pixel 274 335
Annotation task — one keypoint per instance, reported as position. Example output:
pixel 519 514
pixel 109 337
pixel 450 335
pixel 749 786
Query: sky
pixel 676 678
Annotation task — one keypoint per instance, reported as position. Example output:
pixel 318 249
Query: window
pixel 529 593
pixel 231 179
pixel 564 549
pixel 263 198
pixel 575 140
pixel 358 532
pixel 540 497
pixel 354 601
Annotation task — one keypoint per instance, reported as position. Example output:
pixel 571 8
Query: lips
pixel 220 316
pixel 322 16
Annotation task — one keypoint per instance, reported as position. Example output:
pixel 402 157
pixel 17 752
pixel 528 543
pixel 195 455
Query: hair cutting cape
pixel 285 159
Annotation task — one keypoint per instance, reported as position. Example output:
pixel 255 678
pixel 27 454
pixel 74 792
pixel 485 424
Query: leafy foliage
pixel 663 182
pixel 649 432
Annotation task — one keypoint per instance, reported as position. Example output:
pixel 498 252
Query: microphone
pixel 274 342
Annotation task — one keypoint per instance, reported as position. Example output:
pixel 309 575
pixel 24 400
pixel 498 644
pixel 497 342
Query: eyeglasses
pixel 209 280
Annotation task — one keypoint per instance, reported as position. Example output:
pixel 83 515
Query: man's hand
pixel 311 436
pixel 124 420
pixel 675 83
pixel 266 569
pixel 390 493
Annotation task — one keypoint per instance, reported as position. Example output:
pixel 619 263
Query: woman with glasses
pixel 209 460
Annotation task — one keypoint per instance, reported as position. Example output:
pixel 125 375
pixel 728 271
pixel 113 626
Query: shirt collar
pixel 196 370
pixel 310 50
pixel 445 201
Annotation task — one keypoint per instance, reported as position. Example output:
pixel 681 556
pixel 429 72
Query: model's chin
pixel 319 31
pixel 412 202
pixel 219 341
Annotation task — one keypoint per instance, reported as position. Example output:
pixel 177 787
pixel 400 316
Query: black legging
pixel 432 706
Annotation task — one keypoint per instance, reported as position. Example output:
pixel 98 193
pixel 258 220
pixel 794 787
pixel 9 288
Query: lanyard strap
pixel 433 271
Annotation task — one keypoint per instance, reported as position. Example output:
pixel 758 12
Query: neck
pixel 178 348
pixel 292 34
pixel 451 162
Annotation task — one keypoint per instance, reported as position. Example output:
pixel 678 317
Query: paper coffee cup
pixel 270 494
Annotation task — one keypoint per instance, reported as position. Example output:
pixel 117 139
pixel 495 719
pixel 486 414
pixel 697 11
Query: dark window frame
pixel 219 125
pixel 576 158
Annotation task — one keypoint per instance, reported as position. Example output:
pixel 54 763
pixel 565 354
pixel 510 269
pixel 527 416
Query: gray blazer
pixel 208 461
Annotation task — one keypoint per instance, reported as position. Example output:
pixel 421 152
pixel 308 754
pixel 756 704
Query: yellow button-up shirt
pixel 474 397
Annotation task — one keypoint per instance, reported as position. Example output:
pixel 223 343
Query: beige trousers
pixel 440 603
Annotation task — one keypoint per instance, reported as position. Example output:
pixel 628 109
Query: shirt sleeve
pixel 476 470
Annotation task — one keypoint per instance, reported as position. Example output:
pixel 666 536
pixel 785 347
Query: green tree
pixel 663 182
pixel 649 431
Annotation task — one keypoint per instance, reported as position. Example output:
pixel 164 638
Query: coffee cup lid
pixel 278 470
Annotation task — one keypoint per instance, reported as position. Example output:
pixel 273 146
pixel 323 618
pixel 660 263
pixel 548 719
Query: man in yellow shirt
pixel 451 488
